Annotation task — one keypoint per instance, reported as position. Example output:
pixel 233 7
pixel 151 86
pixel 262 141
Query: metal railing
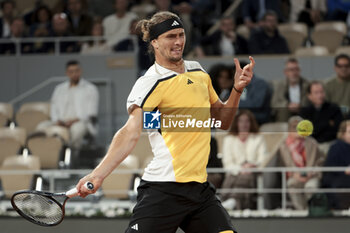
pixel 52 175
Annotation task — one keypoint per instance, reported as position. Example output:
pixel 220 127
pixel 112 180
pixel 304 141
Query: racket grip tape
pixel 74 192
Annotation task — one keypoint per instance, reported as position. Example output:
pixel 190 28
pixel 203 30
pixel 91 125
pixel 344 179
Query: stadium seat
pixel 13 182
pixel 31 114
pixel 6 113
pixel 329 34
pixel 343 49
pixel 48 146
pixel 243 31
pixel 312 51
pixel 294 33
pixel 11 141
pixel 116 185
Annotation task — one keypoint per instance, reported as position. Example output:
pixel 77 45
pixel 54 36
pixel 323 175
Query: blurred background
pixel 266 175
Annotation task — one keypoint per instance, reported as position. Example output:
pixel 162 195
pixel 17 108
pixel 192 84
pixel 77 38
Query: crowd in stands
pixel 112 25
pixel 112 19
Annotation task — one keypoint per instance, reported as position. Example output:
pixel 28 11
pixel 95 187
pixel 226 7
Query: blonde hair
pixel 144 25
pixel 342 129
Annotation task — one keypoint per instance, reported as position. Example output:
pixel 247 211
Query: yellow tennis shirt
pixel 178 156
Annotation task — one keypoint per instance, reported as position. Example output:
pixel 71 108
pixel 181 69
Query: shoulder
pixel 311 141
pixel 62 86
pixel 109 18
pixel 88 84
pixel 193 66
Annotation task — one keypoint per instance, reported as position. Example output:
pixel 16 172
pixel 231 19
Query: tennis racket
pixel 41 207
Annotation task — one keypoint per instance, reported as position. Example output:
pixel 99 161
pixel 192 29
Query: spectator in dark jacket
pixel 339 156
pixel 224 41
pixel 7 9
pixel 266 39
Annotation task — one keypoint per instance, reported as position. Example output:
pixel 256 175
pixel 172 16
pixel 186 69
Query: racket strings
pixel 39 208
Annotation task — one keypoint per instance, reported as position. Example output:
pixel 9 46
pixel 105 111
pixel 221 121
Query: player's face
pixel 74 73
pixel 170 45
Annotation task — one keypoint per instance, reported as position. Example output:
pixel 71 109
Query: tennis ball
pixel 305 128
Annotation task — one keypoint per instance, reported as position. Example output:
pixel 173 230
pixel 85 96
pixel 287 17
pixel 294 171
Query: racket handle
pixel 74 192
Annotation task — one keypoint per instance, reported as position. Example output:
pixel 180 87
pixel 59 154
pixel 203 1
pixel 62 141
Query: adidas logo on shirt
pixel 175 23
pixel 135 227
pixel 189 81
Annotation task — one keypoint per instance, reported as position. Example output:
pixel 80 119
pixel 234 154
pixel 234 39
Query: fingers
pixel 252 62
pixel 82 190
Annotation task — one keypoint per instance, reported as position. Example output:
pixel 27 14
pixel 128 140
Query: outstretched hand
pixel 243 76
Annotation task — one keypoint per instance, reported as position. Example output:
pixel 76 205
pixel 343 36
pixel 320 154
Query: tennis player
pixel 174 191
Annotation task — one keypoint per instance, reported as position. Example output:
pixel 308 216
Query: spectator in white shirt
pixel 116 26
pixel 242 148
pixel 74 105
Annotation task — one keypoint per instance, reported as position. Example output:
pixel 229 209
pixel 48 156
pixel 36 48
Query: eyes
pixel 174 36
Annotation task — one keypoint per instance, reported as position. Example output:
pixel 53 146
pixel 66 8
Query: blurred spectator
pixel 307 11
pixel 266 39
pixel 7 9
pixel 325 116
pixel 222 79
pixel 41 26
pixel 98 45
pixel 242 148
pixel 298 151
pixel 214 162
pixel 116 26
pixel 290 93
pixel 339 156
pixel 74 105
pixel 17 31
pixel 134 42
pixel 144 8
pixel 253 11
pixel 80 23
pixel 60 28
pixel 101 8
pixel 256 97
pixel 338 10
pixel 224 42
pixel 338 88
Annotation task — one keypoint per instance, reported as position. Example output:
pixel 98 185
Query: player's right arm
pixel 121 146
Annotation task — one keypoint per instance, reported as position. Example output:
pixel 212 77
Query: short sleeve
pixel 144 92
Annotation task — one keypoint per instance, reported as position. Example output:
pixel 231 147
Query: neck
pixel 74 83
pixel 120 14
pixel 177 66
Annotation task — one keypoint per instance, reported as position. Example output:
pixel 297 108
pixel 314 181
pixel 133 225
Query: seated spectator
pixel 256 97
pixel 266 39
pixel 60 28
pixel 290 93
pixel 298 151
pixel 41 26
pixel 116 26
pixel 17 31
pixel 134 42
pixel 309 12
pixel 337 10
pixel 222 80
pixel 80 23
pixel 338 88
pixel 325 116
pixel 339 156
pixel 98 45
pixel 74 105
pixel 253 11
pixel 242 148
pixel 7 9
pixel 224 42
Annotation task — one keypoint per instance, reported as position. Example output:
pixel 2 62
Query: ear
pixel 154 43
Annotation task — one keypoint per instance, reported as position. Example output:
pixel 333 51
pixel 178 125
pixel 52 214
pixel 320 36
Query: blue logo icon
pixel 151 120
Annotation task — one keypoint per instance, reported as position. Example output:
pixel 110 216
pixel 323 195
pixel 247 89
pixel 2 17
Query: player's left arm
pixel 225 112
